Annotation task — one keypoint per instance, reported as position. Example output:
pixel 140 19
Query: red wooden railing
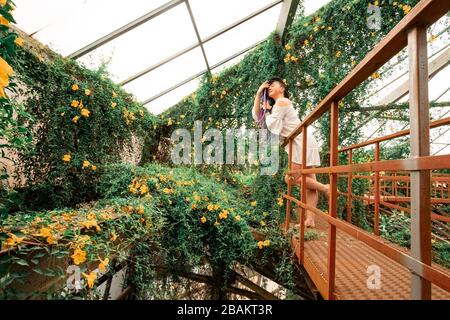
pixel 411 32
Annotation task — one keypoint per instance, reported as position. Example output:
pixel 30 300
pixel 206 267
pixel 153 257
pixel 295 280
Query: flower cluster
pixel 139 186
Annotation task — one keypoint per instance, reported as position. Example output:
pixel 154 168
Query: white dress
pixel 282 121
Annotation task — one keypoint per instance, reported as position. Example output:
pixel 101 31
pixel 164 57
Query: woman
pixel 282 119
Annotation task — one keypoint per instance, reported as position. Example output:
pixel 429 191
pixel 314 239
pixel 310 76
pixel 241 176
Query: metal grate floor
pixel 353 259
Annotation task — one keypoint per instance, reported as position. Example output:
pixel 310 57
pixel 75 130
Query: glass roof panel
pixel 167 75
pixel 157 106
pixel 230 63
pixel 312 6
pixel 243 36
pixel 145 45
pixel 212 16
pixel 71 25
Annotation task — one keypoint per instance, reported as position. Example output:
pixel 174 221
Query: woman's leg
pixel 313 187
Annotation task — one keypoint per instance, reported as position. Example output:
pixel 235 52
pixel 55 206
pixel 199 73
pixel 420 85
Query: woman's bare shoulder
pixel 283 102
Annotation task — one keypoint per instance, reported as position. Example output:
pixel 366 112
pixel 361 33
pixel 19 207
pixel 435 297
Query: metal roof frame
pixel 285 19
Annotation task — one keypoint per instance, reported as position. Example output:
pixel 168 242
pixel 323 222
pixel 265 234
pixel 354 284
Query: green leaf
pixel 22 262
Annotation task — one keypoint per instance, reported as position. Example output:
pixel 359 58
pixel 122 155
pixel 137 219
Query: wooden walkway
pixel 353 258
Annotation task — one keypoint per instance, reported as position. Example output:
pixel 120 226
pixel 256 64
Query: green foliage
pixel 13 133
pixel 152 207
pixel 77 113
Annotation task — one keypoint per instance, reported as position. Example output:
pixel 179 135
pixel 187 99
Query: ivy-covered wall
pixel 79 121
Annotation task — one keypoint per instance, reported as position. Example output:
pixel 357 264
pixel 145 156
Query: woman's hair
pixel 281 82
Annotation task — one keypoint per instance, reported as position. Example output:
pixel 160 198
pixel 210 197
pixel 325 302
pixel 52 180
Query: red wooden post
pixel 349 188
pixel 376 226
pixel 289 191
pixel 333 199
pixel 420 146
pixel 303 210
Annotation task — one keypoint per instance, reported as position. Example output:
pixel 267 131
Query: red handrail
pixel 411 32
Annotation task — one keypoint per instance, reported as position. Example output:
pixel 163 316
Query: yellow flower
pixel 432 38
pixel 5 72
pixel 13 240
pixel 19 41
pixel 330 28
pixel 237 218
pixel 197 197
pixel 260 244
pixel 140 209
pixel 193 206
pixel 316 28
pixel 67 157
pixel 93 167
pixel 376 75
pixel 103 264
pixel 87 92
pixel 203 219
pixel 79 256
pixel 143 189
pixel 288 46
pixel 75 103
pixel 253 203
pixel 75 87
pixel 4 21
pixel 338 54
pixel 90 278
pixel 86 163
pixel 262 223
pixel 113 105
pixel 3 2
pixel 266 243
pixel 44 232
pixel 306 42
pixel 75 119
pixel 114 94
pixel 406 9
pixel 85 112
pixel 216 223
pixel 169 122
pixel 113 237
pixel 353 63
pixel 91 216
pixel 91 224
pixel 280 201
pixel 167 190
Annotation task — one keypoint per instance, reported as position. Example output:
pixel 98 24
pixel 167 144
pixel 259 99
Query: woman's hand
pixel 263 86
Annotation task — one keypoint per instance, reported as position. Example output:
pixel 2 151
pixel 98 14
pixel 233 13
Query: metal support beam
pixel 205 40
pixel 201 73
pixel 188 6
pixel 434 67
pixel 287 16
pixel 128 27
pixel 420 146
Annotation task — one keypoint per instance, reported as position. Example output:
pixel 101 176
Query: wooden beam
pixel 433 68
pixel 253 286
pixel 420 146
